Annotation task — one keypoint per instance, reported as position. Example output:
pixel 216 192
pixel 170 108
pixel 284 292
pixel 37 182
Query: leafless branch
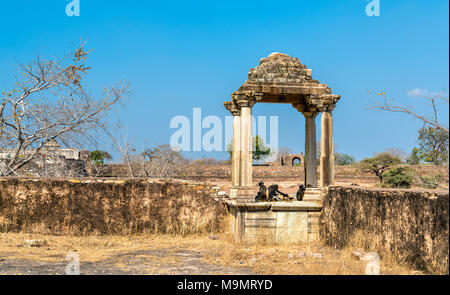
pixel 385 103
pixel 50 103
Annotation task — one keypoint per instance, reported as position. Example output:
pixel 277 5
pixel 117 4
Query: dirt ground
pixel 150 254
pixel 143 254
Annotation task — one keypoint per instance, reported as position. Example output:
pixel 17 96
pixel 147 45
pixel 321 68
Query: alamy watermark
pixel 373 263
pixel 73 8
pixel 73 267
pixel 373 8
pixel 212 133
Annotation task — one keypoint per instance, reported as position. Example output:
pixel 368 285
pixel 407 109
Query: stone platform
pixel 312 194
pixel 274 222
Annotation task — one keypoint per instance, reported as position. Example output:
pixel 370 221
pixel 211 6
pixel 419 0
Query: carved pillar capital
pixel 246 103
pixel 246 99
pixel 234 109
pixel 308 111
pixel 326 108
pixel 310 114
pixel 299 107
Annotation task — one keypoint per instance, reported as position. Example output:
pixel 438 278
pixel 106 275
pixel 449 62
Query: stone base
pixel 274 222
pixel 245 194
pixel 312 194
pixel 233 193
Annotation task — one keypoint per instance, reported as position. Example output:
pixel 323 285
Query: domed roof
pixel 279 69
pixel 282 78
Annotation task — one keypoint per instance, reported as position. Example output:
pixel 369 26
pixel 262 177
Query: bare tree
pixel 49 102
pixel 124 146
pixel 398 153
pixel 385 103
pixel 99 170
pixel 163 161
pixel 65 168
pixel 283 151
pixel 97 159
pixel 436 181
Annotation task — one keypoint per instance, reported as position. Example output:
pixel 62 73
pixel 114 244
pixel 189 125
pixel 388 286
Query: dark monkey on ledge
pixel 300 192
pixel 271 194
pixel 262 193
pixel 274 192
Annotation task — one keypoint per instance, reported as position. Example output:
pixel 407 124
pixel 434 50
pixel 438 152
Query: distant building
pixel 292 159
pixel 50 150
pixel 50 161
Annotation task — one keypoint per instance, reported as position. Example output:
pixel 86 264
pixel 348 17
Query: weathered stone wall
pixel 344 175
pixel 109 206
pixel 206 172
pixel 411 226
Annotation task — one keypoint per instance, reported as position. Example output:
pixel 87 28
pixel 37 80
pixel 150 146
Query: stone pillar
pixel 236 148
pixel 235 160
pixel 326 149
pixel 310 150
pixel 245 191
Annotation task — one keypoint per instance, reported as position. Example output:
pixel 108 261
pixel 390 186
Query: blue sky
pixel 179 55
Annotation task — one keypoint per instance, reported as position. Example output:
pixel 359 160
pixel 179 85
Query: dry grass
pixel 261 259
pixel 299 259
pixel 94 248
pixel 364 241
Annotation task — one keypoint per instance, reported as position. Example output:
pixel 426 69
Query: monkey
pixel 274 192
pixel 287 197
pixel 300 192
pixel 262 193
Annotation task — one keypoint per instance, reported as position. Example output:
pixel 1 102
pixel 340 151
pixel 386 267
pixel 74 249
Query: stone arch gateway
pixel 292 159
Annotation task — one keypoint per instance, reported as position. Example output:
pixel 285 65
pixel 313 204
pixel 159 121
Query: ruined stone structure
pixel 292 159
pixel 50 161
pixel 279 78
pixel 51 149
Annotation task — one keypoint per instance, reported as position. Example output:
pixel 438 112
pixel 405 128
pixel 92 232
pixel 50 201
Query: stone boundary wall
pixel 110 206
pixel 410 225
pixel 195 171
pixel 210 172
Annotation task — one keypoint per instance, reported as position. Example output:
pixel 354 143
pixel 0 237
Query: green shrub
pixel 414 157
pixel 344 159
pixel 399 177
pixel 431 181
pixel 379 164
pixel 99 157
